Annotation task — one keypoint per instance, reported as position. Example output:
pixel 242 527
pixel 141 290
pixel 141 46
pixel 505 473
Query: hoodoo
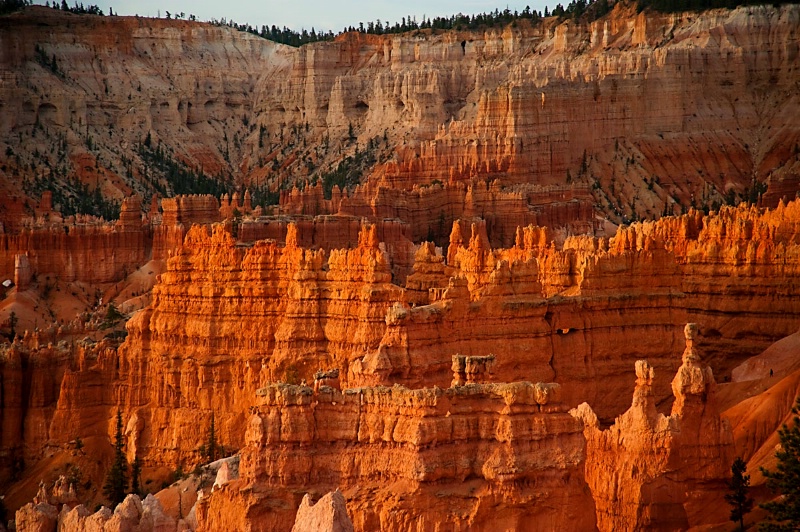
pixel 397 278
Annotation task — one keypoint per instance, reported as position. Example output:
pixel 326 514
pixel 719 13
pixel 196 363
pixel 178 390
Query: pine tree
pixel 113 314
pixel 785 510
pixel 136 476
pixel 117 478
pixel 3 512
pixel 211 448
pixel 13 320
pixel 739 486
pixel 212 440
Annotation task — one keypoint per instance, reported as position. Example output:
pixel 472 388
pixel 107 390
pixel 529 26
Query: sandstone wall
pixel 632 115
pixel 41 381
pixel 97 253
pixel 568 313
pixel 390 449
pixel 429 210
pixel 177 217
pixel 579 315
pixel 336 232
pixel 119 81
pixel 637 104
pixel 650 470
pixel 648 113
pixel 227 318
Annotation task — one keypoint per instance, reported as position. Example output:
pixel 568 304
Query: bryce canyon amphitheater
pixel 534 276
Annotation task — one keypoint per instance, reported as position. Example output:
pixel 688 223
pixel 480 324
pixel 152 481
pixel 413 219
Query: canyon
pixel 537 227
pixel 340 369
pixel 631 116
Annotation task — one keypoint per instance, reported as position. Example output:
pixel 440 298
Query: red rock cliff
pixel 304 309
pixel 91 253
pixel 391 449
pixel 669 472
pixel 631 113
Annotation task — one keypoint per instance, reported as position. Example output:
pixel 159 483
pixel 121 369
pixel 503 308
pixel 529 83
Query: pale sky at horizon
pixel 319 14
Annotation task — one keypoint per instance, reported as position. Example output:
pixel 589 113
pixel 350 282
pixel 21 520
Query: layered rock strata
pixel 91 253
pixel 640 114
pixel 336 232
pixel 568 313
pixel 650 470
pixel 51 394
pixel 304 309
pixel 633 114
pixel 177 217
pixel 112 85
pixel 430 210
pixel 552 103
pixel 391 450
pixel 576 314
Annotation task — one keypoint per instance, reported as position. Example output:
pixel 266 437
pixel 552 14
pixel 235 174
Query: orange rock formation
pixel 544 308
pixel 305 309
pixel 531 123
pixel 391 450
pixel 669 472
pixel 497 151
pixel 91 253
pixel 329 514
pixel 576 315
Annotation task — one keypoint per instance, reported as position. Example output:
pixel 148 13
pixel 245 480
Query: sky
pixel 319 14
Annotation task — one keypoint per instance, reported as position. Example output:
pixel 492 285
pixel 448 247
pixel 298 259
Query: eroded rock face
pixel 146 79
pixel 131 514
pixel 429 210
pixel 228 317
pixel 328 514
pixel 36 376
pixel 390 450
pixel 551 305
pixel 336 232
pixel 544 104
pixel 92 252
pixel 517 126
pixel 649 469
pixel 528 124
pixel 305 309
pixel 545 312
